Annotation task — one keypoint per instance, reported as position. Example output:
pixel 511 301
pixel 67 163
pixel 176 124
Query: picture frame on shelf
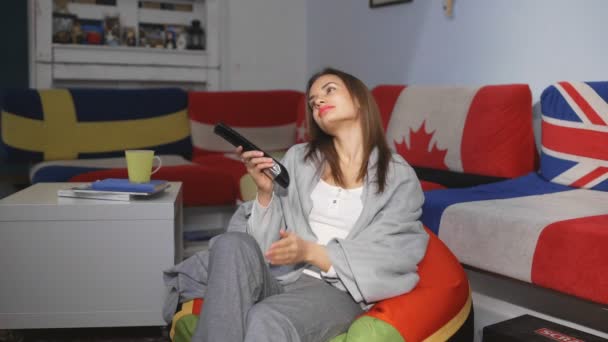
pixel 93 31
pixel 382 3
pixel 63 24
pixel 112 30
pixel 152 35
pixel 172 36
pixel 129 36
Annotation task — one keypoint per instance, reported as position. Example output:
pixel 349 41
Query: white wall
pixel 486 41
pixel 264 44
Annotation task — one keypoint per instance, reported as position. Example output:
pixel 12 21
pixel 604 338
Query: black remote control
pixel 278 173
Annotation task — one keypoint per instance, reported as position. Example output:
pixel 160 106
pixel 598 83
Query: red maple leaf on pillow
pixel 418 153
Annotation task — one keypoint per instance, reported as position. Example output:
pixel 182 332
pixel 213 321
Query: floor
pixel 145 334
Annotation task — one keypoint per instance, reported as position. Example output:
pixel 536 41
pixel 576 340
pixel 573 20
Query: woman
pixel 343 235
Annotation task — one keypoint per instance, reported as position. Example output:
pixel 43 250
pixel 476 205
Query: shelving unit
pixel 72 65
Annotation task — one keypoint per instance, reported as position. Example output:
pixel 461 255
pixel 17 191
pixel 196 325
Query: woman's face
pixel 331 103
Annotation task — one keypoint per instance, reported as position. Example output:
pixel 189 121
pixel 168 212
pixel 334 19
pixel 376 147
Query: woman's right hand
pixel 255 162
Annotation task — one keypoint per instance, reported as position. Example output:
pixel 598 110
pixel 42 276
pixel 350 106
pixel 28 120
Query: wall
pixel 14 61
pixel 263 44
pixel 536 42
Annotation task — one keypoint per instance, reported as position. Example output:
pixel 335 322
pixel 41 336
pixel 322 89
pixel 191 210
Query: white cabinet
pixel 72 65
pixel 76 263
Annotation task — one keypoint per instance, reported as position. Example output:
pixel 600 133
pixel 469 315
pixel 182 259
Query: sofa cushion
pixel 202 185
pixel 301 124
pixel 228 164
pixel 526 228
pixel 55 124
pixel 581 271
pixel 575 134
pixel 267 118
pixel 478 130
pixel 385 97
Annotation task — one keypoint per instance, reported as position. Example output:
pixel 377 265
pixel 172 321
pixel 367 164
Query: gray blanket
pixel 377 260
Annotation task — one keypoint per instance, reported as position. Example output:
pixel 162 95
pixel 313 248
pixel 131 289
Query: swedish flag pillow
pixel 59 124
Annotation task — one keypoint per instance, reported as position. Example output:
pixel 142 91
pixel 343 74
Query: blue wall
pixel 536 42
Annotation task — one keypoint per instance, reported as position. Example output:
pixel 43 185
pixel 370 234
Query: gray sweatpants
pixel 244 302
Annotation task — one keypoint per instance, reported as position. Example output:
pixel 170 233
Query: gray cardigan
pixel 378 259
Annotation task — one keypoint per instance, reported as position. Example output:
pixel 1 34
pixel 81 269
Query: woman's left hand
pixel 290 249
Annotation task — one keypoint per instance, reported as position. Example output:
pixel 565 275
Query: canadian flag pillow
pixel 479 130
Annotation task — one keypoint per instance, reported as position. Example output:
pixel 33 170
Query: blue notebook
pixel 121 184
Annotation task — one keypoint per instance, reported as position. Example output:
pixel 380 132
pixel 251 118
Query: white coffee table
pixel 68 262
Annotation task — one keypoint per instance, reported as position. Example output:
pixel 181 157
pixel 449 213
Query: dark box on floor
pixel 533 329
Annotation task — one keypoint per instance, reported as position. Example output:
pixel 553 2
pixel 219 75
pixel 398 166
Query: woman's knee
pixel 232 240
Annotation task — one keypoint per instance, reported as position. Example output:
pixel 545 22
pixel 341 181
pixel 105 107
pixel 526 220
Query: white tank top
pixel 334 211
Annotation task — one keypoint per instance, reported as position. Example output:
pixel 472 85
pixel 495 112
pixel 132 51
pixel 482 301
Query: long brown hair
pixel 371 125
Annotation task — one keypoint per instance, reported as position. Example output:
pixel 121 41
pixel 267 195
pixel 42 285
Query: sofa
pixel 438 130
pixel 545 229
pixel 80 135
pixel 63 135
pixel 472 205
pixel 467 144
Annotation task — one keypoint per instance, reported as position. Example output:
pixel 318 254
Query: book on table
pixel 123 185
pixel 114 189
pixel 87 192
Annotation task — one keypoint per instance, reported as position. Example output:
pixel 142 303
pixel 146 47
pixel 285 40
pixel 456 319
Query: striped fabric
pixel 485 130
pixel 575 134
pixel 267 118
pixel 64 124
pixel 184 321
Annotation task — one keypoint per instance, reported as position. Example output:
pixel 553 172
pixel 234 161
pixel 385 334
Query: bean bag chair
pixel 439 308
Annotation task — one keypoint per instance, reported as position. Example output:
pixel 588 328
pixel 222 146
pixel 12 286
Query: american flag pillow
pixel 575 134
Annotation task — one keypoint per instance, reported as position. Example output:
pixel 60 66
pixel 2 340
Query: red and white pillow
pixel 479 130
pixel 267 118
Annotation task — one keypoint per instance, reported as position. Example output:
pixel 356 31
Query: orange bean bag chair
pixel 438 309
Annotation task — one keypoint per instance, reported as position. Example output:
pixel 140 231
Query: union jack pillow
pixel 575 134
